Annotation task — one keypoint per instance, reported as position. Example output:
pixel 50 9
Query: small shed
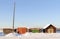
pixel 21 30
pixel 7 30
pixel 34 30
pixel 49 29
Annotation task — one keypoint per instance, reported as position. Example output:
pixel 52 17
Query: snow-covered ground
pixel 33 36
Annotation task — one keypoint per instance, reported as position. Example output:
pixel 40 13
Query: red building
pixel 21 30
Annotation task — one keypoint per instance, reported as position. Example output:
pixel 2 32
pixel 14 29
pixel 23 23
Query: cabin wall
pixel 34 30
pixel 7 31
pixel 21 30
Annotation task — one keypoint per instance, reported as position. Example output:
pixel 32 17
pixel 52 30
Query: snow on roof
pixel 28 27
pixel 47 26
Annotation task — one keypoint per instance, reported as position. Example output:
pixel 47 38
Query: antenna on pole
pixel 14 15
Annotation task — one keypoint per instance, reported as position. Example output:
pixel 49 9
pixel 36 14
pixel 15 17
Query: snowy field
pixel 34 36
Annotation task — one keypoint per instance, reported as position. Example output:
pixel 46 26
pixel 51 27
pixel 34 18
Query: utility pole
pixel 13 16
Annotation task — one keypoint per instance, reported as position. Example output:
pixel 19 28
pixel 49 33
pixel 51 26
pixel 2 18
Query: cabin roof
pixel 47 26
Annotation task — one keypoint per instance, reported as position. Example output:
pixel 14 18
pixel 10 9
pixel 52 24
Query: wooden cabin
pixel 34 30
pixel 49 29
pixel 7 30
pixel 21 30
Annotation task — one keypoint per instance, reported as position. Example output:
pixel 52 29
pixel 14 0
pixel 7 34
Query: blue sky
pixel 30 13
